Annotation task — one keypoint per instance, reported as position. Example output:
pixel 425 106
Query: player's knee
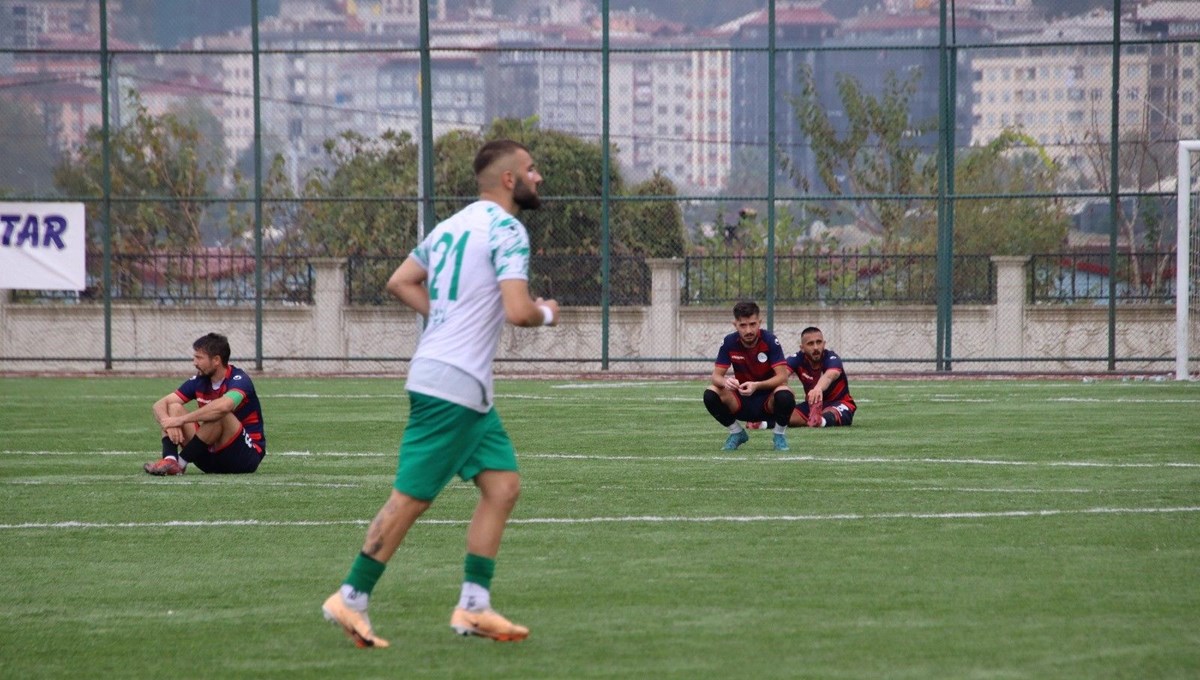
pixel 785 403
pixel 717 408
pixel 499 488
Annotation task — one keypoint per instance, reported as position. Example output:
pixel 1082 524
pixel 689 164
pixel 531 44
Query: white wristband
pixel 547 315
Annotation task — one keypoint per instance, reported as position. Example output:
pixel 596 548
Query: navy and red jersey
pixel 755 363
pixel 248 413
pixel 809 373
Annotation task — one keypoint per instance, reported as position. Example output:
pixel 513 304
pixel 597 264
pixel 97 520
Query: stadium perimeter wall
pixel 330 336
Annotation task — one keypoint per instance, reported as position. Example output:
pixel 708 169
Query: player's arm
pixel 162 406
pixel 213 410
pixel 780 378
pixel 407 284
pixel 720 379
pixel 162 413
pixel 522 310
pixel 818 391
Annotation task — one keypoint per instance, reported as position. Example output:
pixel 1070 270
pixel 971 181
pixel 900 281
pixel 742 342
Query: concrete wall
pixel 331 337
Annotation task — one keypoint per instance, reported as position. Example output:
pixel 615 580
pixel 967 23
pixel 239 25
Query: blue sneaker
pixel 781 442
pixel 735 440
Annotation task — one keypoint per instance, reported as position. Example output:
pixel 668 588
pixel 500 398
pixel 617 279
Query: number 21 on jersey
pixel 442 251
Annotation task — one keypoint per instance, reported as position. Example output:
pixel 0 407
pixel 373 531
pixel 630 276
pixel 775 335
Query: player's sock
pixel 474 597
pixel 477 580
pixel 193 449
pixel 364 574
pixel 479 569
pixel 354 599
pixel 784 404
pixel 169 448
pixel 735 428
pixel 712 402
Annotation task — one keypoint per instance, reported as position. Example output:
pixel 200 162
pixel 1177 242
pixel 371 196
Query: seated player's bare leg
pixel 498 494
pixel 218 432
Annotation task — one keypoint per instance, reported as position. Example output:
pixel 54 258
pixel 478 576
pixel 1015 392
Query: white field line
pixel 632 519
pixel 581 394
pixel 612 385
pixel 867 460
pixel 847 460
pixel 807 489
pixel 151 480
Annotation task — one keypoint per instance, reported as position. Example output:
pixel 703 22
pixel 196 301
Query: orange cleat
pixel 487 623
pixel 355 623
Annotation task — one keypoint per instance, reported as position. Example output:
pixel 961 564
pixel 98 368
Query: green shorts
pixel 443 439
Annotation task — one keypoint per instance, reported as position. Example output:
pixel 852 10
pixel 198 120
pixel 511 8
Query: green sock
pixel 364 573
pixel 479 569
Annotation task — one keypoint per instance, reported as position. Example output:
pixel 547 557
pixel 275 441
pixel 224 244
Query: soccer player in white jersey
pixel 469 276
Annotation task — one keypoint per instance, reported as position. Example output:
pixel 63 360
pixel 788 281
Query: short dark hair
pixel 810 329
pixel 214 345
pixel 745 309
pixel 494 150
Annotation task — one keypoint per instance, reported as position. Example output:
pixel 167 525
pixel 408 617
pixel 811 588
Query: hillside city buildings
pixel 689 102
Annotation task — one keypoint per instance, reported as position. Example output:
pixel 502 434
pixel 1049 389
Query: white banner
pixel 42 246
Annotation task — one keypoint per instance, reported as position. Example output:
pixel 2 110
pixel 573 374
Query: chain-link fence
pixel 940 169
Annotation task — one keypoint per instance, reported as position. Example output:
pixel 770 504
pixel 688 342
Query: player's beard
pixel 524 197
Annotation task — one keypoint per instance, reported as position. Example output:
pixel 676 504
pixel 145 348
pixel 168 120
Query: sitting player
pixel 225 433
pixel 827 400
pixel 758 389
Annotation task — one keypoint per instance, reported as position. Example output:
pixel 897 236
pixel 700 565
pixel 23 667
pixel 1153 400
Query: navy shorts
pixel 753 407
pixel 239 456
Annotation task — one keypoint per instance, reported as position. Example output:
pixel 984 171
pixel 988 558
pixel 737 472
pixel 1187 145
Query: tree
pixel 875 155
pixel 28 159
pixel 354 207
pixel 1145 161
pixel 653 228
pixel 1011 164
pixel 154 158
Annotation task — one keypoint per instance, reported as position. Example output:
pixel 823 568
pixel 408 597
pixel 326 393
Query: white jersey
pixel 466 257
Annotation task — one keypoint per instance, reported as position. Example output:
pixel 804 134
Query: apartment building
pixel 1059 94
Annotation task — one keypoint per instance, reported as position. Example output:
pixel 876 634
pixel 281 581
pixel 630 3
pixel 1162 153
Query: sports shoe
pixel 486 623
pixel 780 441
pixel 164 467
pixel 735 440
pixel 355 623
pixel 815 417
pixel 758 425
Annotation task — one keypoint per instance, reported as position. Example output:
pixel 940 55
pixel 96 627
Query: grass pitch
pixel 1006 529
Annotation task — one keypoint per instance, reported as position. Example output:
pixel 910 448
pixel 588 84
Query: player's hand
pixel 173 423
pixel 814 396
pixel 175 434
pixel 747 388
pixel 732 383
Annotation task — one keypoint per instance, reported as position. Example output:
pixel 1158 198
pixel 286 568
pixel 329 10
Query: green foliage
pixel 1011 164
pixel 651 228
pixel 875 156
pixel 154 157
pixel 355 207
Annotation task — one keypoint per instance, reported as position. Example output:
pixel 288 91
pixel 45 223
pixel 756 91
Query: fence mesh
pixel 828 160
